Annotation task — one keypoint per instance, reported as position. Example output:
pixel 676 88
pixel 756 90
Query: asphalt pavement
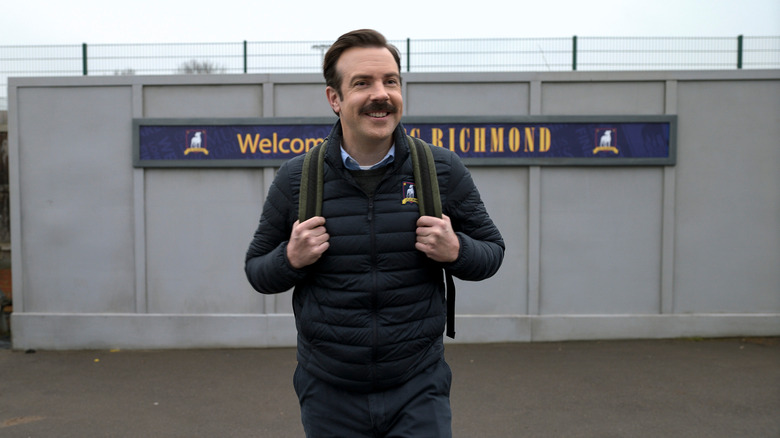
pixel 656 388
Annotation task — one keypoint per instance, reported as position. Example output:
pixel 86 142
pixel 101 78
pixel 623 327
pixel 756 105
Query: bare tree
pixel 195 67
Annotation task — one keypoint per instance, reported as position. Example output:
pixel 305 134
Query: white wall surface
pixel 105 255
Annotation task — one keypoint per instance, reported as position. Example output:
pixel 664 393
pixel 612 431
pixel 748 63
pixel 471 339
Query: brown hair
pixel 356 38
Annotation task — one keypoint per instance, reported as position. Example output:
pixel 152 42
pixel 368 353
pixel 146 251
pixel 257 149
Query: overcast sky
pixel 24 22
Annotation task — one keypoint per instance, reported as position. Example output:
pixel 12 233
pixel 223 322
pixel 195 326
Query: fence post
pixel 408 54
pixel 574 53
pixel 244 56
pixel 739 52
pixel 84 58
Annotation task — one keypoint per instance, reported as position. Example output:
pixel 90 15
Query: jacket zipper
pixel 374 290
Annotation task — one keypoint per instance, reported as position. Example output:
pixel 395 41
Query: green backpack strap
pixel 310 197
pixel 425 177
pixel 429 200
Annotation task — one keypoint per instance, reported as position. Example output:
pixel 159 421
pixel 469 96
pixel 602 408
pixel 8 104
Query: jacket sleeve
pixel 481 244
pixel 266 265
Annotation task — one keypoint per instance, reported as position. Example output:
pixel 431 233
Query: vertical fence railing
pixel 408 54
pixel 739 52
pixel 245 58
pixel 84 58
pixel 574 53
pixel 419 55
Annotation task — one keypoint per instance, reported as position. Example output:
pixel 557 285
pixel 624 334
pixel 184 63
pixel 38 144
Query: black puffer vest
pixel 371 312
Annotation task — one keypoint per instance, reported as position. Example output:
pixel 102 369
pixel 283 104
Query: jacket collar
pixel 333 154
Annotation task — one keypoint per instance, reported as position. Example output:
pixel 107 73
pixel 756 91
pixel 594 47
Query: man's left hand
pixel 436 239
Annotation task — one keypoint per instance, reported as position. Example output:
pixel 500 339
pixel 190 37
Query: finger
pixel 314 222
pixel 319 239
pixel 316 233
pixel 426 239
pixel 427 221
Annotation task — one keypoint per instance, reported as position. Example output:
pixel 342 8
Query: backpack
pixel 428 198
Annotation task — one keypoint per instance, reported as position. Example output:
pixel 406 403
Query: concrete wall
pixel 105 255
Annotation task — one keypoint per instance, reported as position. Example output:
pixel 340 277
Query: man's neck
pixel 367 154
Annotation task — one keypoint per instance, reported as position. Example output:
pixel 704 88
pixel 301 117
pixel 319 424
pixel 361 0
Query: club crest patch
pixel 408 193
pixel 195 142
pixel 606 141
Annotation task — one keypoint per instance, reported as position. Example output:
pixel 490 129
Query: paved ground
pixel 668 388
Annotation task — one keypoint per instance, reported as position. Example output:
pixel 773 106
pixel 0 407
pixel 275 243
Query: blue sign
pixel 635 140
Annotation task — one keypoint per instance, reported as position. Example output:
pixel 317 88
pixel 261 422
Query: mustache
pixel 379 107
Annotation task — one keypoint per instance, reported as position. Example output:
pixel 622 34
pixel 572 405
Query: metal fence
pixel 423 55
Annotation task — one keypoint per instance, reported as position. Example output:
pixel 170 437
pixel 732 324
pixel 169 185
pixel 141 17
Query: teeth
pixel 377 114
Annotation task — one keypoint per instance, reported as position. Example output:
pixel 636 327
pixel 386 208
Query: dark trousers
pixel 418 408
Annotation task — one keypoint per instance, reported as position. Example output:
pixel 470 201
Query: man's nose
pixel 379 92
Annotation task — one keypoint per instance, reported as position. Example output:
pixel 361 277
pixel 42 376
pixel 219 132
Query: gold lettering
pixel 436 136
pixel 530 133
pixel 311 142
pixel 281 145
pixel 265 145
pixel 544 139
pixel 496 139
pixel 452 139
pixel 465 145
pixel 514 139
pixel 415 132
pixel 254 144
pixel 248 142
pixel 480 136
pixel 300 145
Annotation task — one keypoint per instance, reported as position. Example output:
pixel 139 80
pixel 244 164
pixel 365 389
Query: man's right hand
pixel 308 241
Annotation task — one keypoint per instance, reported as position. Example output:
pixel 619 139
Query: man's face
pixel 370 104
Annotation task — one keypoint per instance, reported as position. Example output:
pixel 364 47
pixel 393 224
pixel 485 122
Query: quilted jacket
pixel 371 311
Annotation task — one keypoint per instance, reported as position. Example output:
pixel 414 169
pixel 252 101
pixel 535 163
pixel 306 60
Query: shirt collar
pixel 351 164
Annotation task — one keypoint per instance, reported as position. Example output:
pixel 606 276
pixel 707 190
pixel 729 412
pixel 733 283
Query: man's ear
pixel 333 99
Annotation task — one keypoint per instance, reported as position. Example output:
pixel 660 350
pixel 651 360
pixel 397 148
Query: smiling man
pixel 369 296
pixel 368 100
